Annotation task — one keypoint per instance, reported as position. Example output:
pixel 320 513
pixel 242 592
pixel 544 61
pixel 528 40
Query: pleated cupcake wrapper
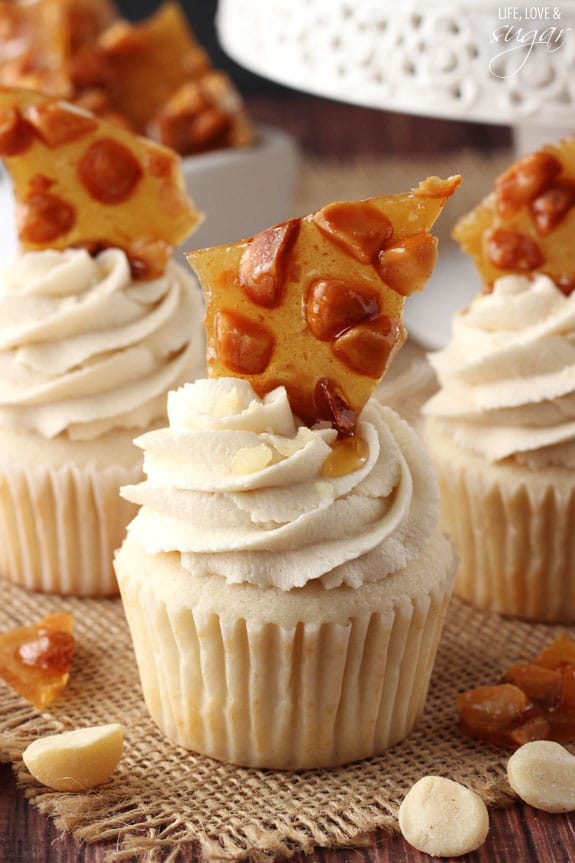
pixel 265 696
pixel 59 527
pixel 515 541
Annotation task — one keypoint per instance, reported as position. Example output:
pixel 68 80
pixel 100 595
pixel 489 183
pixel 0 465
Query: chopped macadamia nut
pixel 542 773
pixel 76 760
pixel 443 818
pixel 251 459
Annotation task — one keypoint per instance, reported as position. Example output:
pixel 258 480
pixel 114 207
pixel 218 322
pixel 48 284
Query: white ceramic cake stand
pixel 460 59
pixel 467 60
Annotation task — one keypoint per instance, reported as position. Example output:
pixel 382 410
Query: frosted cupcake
pixel 501 432
pixel 96 325
pixel 501 429
pixel 284 580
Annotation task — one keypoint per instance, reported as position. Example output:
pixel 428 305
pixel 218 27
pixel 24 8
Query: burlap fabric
pixel 163 797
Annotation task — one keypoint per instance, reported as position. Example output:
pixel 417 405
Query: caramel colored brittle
pixel 152 76
pixel 315 303
pixel 82 181
pixel 533 701
pixel 47 45
pixel 526 224
pixel 35 660
pixel 163 82
pixel 149 61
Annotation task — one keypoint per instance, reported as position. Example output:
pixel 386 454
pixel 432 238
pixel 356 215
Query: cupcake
pixel 284 580
pixel 96 325
pixel 501 428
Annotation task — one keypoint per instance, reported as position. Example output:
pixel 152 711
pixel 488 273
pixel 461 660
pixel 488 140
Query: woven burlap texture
pixel 163 797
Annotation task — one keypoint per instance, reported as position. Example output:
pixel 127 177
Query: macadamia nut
pixel 542 773
pixel 75 760
pixel 443 818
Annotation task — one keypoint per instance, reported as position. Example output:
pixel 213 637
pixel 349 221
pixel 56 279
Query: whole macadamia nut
pixel 443 818
pixel 542 773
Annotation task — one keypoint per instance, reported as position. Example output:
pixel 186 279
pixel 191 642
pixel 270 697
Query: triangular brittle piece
pixel 315 303
pixel 83 181
pixel 526 225
pixel 35 660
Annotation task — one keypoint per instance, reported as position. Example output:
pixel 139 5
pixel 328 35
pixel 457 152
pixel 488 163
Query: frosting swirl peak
pixel 84 349
pixel 507 376
pixel 237 486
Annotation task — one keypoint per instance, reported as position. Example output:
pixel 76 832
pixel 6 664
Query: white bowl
pixel 240 191
pixel 243 190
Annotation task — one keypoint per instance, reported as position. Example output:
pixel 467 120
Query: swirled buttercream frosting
pixel 507 377
pixel 240 488
pixel 84 349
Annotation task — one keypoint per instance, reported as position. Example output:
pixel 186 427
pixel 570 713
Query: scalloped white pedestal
pixel 464 60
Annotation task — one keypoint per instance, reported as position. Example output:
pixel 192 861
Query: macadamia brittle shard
pixel 35 660
pixel 82 181
pixel 526 224
pixel 315 303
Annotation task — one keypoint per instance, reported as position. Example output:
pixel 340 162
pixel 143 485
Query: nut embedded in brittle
pixel 315 304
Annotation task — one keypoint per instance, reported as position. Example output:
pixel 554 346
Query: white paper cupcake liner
pixel 59 527
pixel 284 695
pixel 514 531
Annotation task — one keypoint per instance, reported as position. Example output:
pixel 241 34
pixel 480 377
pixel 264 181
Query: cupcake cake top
pixel 279 469
pixel 507 376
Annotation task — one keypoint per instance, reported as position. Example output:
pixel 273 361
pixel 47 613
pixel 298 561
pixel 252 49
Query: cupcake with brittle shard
pixel 284 580
pixel 97 323
pixel 501 429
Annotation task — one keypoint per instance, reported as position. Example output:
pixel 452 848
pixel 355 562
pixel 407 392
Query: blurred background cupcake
pixel 97 323
pixel 501 429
